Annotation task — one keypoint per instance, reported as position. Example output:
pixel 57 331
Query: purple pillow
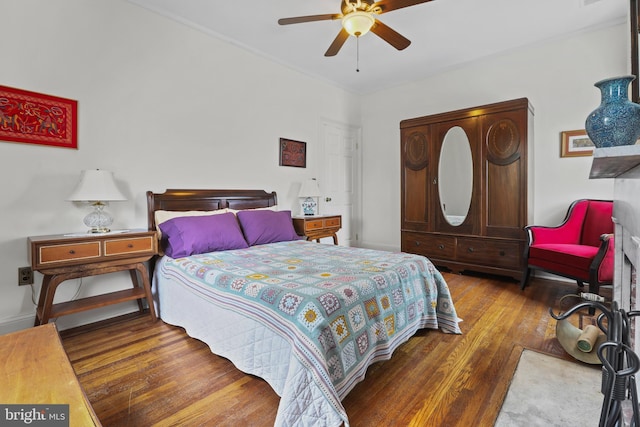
pixel 189 235
pixel 265 226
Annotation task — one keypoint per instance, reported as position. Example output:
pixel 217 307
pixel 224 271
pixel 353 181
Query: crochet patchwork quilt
pixel 340 308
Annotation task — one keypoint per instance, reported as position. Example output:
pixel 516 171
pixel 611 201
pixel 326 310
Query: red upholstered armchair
pixel 581 248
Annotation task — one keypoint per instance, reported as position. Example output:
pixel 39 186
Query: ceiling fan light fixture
pixel 358 23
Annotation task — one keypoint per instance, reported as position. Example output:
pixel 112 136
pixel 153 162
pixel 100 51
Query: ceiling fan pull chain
pixel 357 54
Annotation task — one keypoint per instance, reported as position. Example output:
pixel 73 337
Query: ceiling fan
pixel 358 17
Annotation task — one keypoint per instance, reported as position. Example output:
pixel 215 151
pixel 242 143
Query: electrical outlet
pixel 25 276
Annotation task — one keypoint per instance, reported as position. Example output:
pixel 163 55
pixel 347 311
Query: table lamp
pixel 309 191
pixel 97 187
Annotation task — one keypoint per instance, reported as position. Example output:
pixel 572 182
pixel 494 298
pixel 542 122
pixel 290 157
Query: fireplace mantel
pixel 623 165
pixel 614 162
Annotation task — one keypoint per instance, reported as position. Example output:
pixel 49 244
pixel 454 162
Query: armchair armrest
pixel 601 269
pixel 565 233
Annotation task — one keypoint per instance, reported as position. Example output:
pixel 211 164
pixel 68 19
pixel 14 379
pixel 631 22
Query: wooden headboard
pixel 206 200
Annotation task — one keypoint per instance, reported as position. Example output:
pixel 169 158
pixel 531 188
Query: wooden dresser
pixel 485 233
pixel 35 370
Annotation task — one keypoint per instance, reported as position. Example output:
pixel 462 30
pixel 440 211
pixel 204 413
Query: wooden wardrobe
pixel 487 183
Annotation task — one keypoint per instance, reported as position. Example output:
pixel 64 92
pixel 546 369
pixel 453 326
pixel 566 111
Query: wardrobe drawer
pixel 495 253
pixel 429 245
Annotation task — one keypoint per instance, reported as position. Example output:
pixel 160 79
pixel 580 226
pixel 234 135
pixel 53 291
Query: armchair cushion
pixel 597 221
pixel 573 260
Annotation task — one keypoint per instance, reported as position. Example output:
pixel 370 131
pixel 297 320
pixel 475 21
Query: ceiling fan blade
pixel 389 35
pixel 337 43
pixel 389 5
pixel 310 18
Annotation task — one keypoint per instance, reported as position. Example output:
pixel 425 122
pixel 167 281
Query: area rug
pixel 548 391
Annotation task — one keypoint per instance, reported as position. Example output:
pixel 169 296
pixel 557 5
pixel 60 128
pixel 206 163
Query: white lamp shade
pixel 358 23
pixel 309 188
pixel 96 186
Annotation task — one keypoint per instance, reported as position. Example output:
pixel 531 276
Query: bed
pixel 308 318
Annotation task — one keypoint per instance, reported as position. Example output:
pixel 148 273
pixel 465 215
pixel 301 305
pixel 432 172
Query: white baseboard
pixel 25 321
pixel 378 247
pixel 17 323
pixel 539 274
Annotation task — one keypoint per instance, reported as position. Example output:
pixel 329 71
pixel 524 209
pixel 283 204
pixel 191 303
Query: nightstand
pixel 71 256
pixel 318 226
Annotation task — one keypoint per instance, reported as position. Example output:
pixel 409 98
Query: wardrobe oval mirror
pixel 455 176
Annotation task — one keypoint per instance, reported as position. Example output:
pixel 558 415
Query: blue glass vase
pixel 616 121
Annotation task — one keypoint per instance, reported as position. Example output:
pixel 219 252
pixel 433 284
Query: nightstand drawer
pixel 317 224
pixel 69 252
pixel 62 251
pixel 128 246
pixel 313 224
pixel 332 222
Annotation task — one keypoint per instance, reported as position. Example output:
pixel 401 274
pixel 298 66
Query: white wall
pixel 165 106
pixel 161 105
pixel 557 77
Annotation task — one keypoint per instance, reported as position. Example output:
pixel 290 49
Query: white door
pixel 340 181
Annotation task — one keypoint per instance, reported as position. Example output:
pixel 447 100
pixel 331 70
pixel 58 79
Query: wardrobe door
pixel 416 178
pixel 504 210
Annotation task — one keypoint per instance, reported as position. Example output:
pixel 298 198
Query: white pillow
pixel 270 208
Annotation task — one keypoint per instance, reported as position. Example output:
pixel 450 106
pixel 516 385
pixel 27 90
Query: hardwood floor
pixel 138 373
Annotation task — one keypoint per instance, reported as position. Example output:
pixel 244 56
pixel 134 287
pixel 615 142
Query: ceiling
pixel 444 33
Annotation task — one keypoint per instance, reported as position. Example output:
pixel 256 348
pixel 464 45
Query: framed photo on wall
pixel 575 143
pixel 293 153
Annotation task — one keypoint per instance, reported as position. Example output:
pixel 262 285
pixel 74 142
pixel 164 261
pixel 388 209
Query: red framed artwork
pixel 293 153
pixel 36 118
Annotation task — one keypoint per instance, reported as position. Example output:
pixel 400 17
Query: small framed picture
pixel 575 143
pixel 293 153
